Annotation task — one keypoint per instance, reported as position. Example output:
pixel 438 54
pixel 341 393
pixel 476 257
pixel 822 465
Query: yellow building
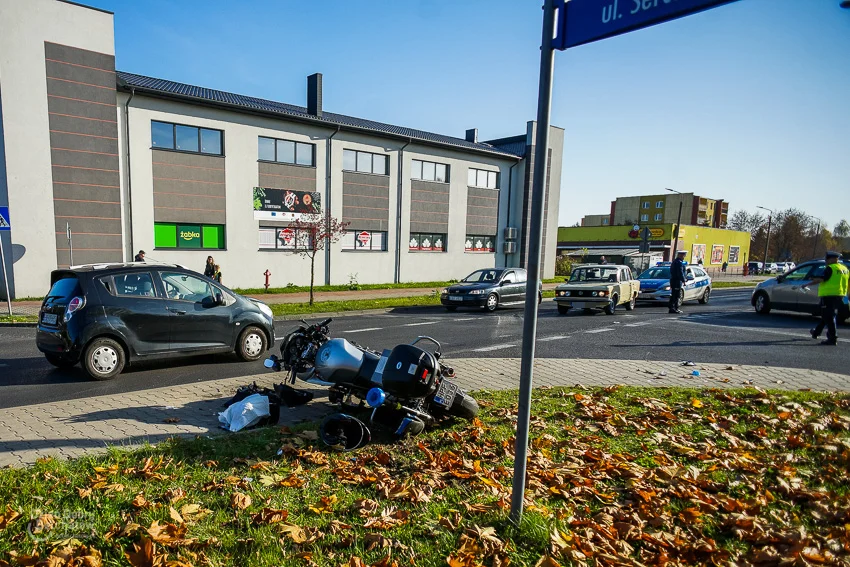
pixel 663 208
pixel 713 246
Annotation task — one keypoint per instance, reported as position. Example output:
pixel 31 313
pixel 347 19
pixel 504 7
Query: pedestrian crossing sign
pixel 5 223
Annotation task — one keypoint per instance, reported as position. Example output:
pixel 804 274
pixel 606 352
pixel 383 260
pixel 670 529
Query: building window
pixel 428 242
pixel 480 243
pixel 646 204
pixel 364 162
pixel 482 178
pixel 169 136
pixel 287 239
pixel 429 171
pixel 366 240
pixel 286 151
pixel 659 216
pixel 659 204
pixel 644 218
pixel 190 236
pixel 605 221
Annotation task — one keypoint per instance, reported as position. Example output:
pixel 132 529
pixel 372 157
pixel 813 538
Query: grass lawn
pixel 361 304
pixel 717 285
pixel 18 319
pixel 616 476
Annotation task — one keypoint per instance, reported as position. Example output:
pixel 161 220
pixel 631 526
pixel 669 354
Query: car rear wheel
pixel 706 295
pixel 104 359
pixel 251 345
pixel 762 303
pixel 492 302
pixel 631 304
pixel 612 305
pixel 59 361
pixel 563 309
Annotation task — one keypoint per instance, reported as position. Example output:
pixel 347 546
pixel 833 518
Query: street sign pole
pixel 70 245
pixel 5 278
pixel 535 243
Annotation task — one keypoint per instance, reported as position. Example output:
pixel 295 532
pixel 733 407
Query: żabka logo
pixel 189 235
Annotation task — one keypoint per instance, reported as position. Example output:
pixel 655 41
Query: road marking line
pixel 639 324
pixel 466 319
pixel 555 338
pixel 605 330
pixel 364 330
pixel 801 335
pixel 494 347
pixel 423 323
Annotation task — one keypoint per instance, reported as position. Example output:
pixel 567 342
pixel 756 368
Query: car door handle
pixel 178 311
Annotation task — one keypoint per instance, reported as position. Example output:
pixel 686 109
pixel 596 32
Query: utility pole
pixel 678 224
pixel 767 242
pixel 817 235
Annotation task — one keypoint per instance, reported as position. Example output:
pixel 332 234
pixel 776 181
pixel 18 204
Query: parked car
pixel 655 284
pixel 599 286
pixel 754 268
pixel 793 291
pixel 489 288
pixel 106 316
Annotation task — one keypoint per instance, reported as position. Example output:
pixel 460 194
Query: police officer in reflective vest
pixel 833 293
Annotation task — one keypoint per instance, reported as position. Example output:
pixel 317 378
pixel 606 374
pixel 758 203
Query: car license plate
pixel 446 393
pixel 578 304
pixel 49 318
pixel 455 298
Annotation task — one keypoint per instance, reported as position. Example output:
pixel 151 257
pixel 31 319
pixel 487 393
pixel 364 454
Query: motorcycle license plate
pixel 446 394
pixel 49 318
pixel 455 298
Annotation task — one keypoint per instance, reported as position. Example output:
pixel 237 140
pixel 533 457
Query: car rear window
pixel 64 289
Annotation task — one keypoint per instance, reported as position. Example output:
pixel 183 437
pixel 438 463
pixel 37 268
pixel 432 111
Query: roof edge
pixel 86 6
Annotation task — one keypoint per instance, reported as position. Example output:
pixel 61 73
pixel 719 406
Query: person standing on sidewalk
pixel 209 269
pixel 140 257
pixel 677 281
pixel 833 293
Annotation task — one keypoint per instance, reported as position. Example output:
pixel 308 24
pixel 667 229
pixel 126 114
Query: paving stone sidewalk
pixel 89 425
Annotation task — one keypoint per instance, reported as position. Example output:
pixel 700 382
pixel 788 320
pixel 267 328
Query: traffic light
pixel 644 243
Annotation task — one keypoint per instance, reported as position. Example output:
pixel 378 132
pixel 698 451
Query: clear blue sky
pixel 749 102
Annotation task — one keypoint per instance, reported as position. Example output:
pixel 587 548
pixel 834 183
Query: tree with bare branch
pixel 310 234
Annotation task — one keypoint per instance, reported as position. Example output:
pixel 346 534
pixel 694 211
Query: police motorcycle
pixel 406 388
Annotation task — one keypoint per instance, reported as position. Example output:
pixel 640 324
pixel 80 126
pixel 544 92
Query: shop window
pixel 427 242
pixel 483 178
pixel 192 139
pixel 480 243
pixel 365 240
pixel 364 162
pixel 286 151
pixel 286 239
pixel 429 171
pixel 189 236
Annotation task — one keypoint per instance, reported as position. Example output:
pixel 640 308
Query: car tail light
pixel 74 305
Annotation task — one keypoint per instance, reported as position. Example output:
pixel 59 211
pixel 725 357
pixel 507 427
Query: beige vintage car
pixel 598 286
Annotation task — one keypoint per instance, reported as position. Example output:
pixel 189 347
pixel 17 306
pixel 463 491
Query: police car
pixel 655 284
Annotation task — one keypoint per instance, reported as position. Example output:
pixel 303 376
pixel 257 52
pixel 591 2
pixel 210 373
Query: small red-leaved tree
pixel 311 233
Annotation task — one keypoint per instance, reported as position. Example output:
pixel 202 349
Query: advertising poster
pixel 734 251
pixel 698 253
pixel 284 204
pixel 717 254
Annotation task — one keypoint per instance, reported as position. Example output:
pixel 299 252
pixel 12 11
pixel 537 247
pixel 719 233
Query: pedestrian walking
pixel 724 266
pixel 217 273
pixel 209 269
pixel 832 292
pixel 140 257
pixel 677 281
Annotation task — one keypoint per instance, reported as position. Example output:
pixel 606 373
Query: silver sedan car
pixel 794 291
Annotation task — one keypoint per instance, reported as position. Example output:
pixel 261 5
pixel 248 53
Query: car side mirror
pixel 780 278
pixel 505 282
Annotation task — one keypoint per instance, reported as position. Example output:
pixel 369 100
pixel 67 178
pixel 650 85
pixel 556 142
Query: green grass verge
pixel 637 475
pixel 358 287
pixel 361 304
pixel 717 285
pixel 18 319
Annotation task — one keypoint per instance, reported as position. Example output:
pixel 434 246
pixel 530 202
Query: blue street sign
pixel 585 21
pixel 5 223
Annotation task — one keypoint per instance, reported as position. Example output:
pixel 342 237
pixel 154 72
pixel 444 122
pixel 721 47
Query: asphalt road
pixel 724 331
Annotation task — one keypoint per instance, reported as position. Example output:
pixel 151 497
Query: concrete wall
pixel 595 220
pixel 24 29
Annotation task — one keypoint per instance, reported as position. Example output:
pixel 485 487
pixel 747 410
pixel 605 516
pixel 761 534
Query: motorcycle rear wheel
pixel 464 406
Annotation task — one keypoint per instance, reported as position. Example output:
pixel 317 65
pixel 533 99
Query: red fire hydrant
pixel 267 274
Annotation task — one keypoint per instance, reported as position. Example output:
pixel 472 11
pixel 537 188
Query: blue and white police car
pixel 655 284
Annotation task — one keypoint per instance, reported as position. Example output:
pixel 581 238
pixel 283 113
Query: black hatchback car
pixel 106 316
pixel 488 288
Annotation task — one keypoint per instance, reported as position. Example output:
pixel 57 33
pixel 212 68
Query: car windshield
pixel 595 274
pixel 655 274
pixel 483 276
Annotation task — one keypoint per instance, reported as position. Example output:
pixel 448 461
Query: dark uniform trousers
pixel 829 311
pixel 675 295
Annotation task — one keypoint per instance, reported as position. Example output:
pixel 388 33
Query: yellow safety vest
pixel 836 285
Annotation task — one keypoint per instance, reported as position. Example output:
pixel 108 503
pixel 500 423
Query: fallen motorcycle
pixel 406 388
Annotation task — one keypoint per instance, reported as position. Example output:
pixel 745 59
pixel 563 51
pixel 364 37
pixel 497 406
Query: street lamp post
pixel 678 224
pixel 767 241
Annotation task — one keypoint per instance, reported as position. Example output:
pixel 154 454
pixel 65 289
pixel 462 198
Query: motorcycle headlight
pixel 477 291
pixel 266 310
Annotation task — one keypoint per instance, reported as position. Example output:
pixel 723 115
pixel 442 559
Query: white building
pixel 133 163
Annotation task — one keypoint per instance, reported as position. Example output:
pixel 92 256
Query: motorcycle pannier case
pixel 409 372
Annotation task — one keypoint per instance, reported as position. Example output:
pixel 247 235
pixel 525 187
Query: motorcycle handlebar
pixel 326 322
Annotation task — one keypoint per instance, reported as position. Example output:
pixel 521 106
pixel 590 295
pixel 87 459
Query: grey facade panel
pixel 482 211
pixel 284 176
pixel 58 52
pixel 365 201
pixel 366 179
pixel 70 141
pixel 428 227
pixel 188 188
pixel 429 207
pixel 84 153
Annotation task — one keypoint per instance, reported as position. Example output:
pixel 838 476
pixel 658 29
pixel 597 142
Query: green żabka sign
pixel 189 236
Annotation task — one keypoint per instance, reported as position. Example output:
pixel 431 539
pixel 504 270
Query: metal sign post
pixel 70 245
pixel 5 226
